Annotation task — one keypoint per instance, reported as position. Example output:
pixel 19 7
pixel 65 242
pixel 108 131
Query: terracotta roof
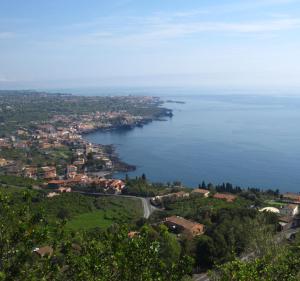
pixel 200 190
pixel 179 194
pixel 132 234
pixel 291 206
pixel 182 222
pixel 286 219
pixel 56 182
pixel 46 250
pixel 292 196
pixel 48 168
pixel 227 197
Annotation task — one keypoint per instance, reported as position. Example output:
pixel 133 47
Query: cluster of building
pixel 55 152
pixel 99 120
pixel 181 225
pixel 79 169
pixel 47 136
pixel 289 214
pixel 291 198
pixel 112 186
pixel 5 163
pixel 158 200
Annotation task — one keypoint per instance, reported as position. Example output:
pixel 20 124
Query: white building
pixel 290 210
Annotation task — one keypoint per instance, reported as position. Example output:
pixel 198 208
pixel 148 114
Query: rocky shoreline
pixel 118 164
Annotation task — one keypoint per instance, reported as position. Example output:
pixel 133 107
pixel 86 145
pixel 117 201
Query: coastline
pixel 194 146
pixel 120 166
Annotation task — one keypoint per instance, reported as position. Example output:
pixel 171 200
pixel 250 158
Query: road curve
pixel 148 208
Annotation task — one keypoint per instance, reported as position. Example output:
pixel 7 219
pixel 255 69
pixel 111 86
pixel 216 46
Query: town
pixel 55 154
pixel 45 154
pixel 54 150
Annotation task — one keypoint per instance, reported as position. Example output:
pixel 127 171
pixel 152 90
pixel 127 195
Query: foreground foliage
pixel 109 255
pixel 284 266
pixel 268 261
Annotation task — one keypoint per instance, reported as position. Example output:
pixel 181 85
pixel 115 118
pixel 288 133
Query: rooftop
pixel 187 224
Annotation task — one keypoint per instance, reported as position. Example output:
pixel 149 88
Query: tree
pixel 169 246
pixel 113 256
pixel 144 177
pixel 63 213
pixel 20 233
pixel 284 266
pixel 127 178
pixel 205 251
pixel 103 255
pixel 90 156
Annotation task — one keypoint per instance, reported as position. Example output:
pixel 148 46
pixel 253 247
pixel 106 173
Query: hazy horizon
pixel 130 43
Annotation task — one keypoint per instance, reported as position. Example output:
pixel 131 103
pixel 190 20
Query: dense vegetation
pixel 17 181
pixel 89 237
pixel 108 211
pixel 139 186
pixel 99 255
pixel 276 263
pixel 229 227
pixel 79 211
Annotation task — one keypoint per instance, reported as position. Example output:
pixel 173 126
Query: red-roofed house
pixel 294 197
pixel 49 173
pixel 179 224
pixel 224 196
pixel 30 172
pixel 56 183
pixel 200 191
pixel 71 171
pixel 44 251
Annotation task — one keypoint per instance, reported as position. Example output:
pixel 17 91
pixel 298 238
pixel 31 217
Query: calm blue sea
pixel 247 140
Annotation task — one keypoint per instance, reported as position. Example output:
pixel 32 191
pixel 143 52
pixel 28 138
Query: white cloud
pixel 160 26
pixel 243 27
pixel 153 30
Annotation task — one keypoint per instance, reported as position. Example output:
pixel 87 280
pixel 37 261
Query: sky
pixel 150 43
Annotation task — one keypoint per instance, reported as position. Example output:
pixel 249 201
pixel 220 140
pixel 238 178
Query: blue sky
pixel 186 43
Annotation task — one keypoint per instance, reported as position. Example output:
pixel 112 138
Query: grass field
pixel 89 220
pixel 109 210
pixel 81 212
pixel 273 203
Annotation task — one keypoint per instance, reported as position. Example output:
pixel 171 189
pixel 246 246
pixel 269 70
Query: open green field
pixel 272 203
pixel 89 220
pixel 81 212
pixel 109 210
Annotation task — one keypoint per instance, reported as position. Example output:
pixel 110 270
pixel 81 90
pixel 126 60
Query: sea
pixel 247 139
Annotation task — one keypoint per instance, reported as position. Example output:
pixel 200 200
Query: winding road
pixel 148 208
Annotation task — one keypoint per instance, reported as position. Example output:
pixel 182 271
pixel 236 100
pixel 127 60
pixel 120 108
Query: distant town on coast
pixel 43 151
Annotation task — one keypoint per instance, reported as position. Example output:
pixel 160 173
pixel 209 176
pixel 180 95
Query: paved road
pixel 148 208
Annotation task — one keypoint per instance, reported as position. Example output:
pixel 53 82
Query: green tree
pixel 103 255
